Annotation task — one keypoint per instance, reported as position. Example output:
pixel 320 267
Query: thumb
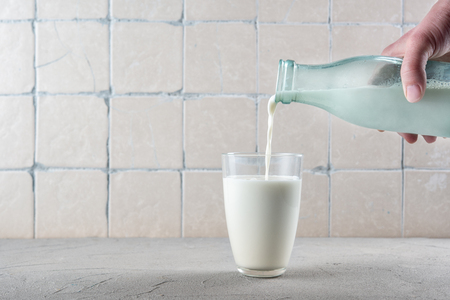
pixel 414 78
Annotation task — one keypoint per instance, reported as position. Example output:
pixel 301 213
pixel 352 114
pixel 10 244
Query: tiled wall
pixel 114 113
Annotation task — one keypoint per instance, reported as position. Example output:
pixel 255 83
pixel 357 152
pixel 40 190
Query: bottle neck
pixel 285 81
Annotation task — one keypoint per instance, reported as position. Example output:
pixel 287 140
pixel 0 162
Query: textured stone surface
pixel 314 207
pixel 204 269
pixel 415 10
pixel 148 9
pixel 351 41
pixel 293 11
pixel 146 57
pixel 214 126
pixel 220 58
pixel 145 204
pixel 146 132
pixel 427 203
pixel 203 206
pixel 355 147
pixel 71 9
pixel 71 204
pixel 367 11
pixel 16 58
pixel 16 9
pixel 366 204
pixel 220 10
pixel 16 205
pixel 305 44
pixel 16 132
pixel 424 155
pixel 72 57
pixel 72 131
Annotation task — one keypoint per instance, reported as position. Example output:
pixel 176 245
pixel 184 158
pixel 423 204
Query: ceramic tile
pixel 16 9
pixel 71 9
pixel 355 147
pixel 310 46
pixel 145 204
pixel 168 10
pixel 427 204
pixel 297 128
pixel 313 219
pixel 366 204
pixel 218 125
pixel 220 58
pixel 367 11
pixel 16 132
pixel 351 41
pixel 71 204
pixel 220 10
pixel 17 53
pixel 203 206
pixel 72 131
pixel 147 57
pixel 16 205
pixel 293 11
pixel 424 155
pixel 72 57
pixel 415 10
pixel 146 132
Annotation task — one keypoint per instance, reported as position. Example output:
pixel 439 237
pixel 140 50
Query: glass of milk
pixel 262 213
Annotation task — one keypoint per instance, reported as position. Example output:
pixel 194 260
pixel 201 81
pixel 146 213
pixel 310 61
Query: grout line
pixel 108 143
pixel 108 167
pixel 183 117
pixel 330 57
pixel 35 102
pixel 328 170
pixel 257 45
pixel 103 94
pixel 195 22
pixel 403 17
pixel 402 227
pixel 394 24
pixel 402 154
pixel 182 203
pixel 18 21
pixel 258 99
pixel 40 168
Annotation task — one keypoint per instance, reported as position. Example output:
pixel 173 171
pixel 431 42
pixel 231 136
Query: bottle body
pixel 367 91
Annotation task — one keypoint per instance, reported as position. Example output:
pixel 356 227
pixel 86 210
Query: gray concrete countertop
pixel 185 268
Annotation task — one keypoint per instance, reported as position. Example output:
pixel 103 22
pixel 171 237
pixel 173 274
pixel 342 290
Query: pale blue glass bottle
pixel 367 91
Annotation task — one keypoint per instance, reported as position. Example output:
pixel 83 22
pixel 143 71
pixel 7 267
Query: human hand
pixel 428 40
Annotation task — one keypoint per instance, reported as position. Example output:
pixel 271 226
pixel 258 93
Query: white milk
pixel 262 218
pixel 271 106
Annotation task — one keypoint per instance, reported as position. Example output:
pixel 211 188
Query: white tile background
pixel 114 113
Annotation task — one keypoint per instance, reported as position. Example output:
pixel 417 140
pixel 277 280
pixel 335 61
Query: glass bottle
pixel 367 91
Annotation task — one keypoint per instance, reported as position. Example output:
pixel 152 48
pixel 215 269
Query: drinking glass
pixel 262 213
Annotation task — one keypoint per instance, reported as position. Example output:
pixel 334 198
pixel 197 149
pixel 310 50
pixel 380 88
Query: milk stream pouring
pixel 367 91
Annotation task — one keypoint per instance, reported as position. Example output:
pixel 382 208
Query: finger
pixel 429 139
pixel 397 49
pixel 409 137
pixel 413 73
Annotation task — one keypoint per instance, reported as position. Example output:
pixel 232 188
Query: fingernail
pixel 413 93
